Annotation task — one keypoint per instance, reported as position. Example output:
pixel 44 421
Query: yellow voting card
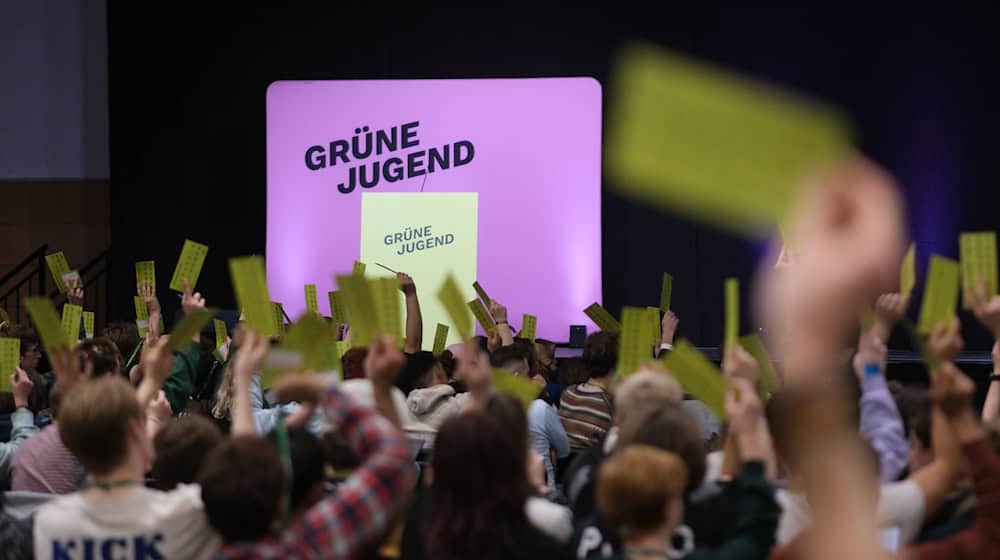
pixel 908 271
pixel 188 265
pixel 978 251
pixel 312 339
pixel 250 285
pixel 653 326
pixel 47 322
pixel 278 312
pixel 145 273
pixel 337 310
pixel 666 291
pixel 440 339
pixel 940 294
pixel 340 348
pixel 221 351
pixel 388 309
pixel 4 317
pixel 481 293
pixel 141 315
pixel 312 305
pixel 451 298
pixel 633 347
pixel 713 144
pixel 88 324
pixel 768 381
pixel 732 297
pixel 359 268
pixel 529 323
pixel 59 267
pixel 482 316
pixel 360 307
pixel 10 359
pixel 72 315
pixel 600 316
pixel 699 377
pixel 521 387
pixel 188 328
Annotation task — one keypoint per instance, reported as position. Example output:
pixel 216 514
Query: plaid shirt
pixel 340 525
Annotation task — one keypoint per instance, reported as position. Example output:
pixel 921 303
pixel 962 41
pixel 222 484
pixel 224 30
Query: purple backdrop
pixel 536 167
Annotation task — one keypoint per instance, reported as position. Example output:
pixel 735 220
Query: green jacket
pixel 180 382
pixel 753 534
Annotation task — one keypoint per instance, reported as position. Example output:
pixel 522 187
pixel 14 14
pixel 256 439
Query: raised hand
pixel 737 363
pixel 498 311
pixel 191 302
pixel 743 406
pixel 300 388
pixel 848 226
pixel 889 309
pixel 157 360
pixel 248 359
pixel 384 361
pixel 148 295
pixel 159 408
pixel 68 368
pixel 945 341
pixel 871 350
pixel 668 326
pixel 986 309
pixel 74 291
pixel 21 386
pixel 406 283
pixel 493 341
pixel 952 390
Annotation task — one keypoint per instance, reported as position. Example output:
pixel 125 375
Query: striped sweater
pixel 585 411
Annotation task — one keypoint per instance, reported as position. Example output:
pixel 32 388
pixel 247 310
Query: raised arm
pixel 952 393
pixel 881 423
pixel 668 326
pixel 889 309
pixel 148 295
pixel 22 421
pixel 849 225
pixel 382 365
pixel 499 313
pixel 991 406
pixel 987 311
pixel 180 382
pixel 414 320
pixel 244 364
pixel 753 534
pixel 361 509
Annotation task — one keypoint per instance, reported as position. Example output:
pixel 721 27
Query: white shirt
pixel 900 506
pixel 135 523
pixel 553 519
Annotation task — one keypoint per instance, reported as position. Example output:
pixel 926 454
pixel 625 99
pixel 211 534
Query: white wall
pixel 53 89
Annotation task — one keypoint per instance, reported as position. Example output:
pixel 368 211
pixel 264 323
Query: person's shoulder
pixel 59 512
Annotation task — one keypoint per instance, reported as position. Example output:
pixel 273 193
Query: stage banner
pixel 530 149
pixel 427 235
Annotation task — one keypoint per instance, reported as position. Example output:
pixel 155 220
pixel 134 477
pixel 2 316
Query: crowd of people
pixel 123 448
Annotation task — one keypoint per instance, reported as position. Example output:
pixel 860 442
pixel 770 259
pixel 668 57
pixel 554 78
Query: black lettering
pixel 433 156
pixel 413 160
pixel 312 162
pixel 471 152
pixel 409 135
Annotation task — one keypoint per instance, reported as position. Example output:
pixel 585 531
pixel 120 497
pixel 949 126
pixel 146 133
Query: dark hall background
pixel 187 146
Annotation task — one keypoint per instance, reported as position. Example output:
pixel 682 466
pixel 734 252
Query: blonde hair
pixel 652 386
pixel 635 485
pixel 224 396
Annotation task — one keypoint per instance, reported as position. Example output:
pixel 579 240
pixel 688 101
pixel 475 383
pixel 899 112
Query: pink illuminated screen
pixel 531 148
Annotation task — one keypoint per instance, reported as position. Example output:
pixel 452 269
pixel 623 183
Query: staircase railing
pixel 31 278
pixel 27 278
